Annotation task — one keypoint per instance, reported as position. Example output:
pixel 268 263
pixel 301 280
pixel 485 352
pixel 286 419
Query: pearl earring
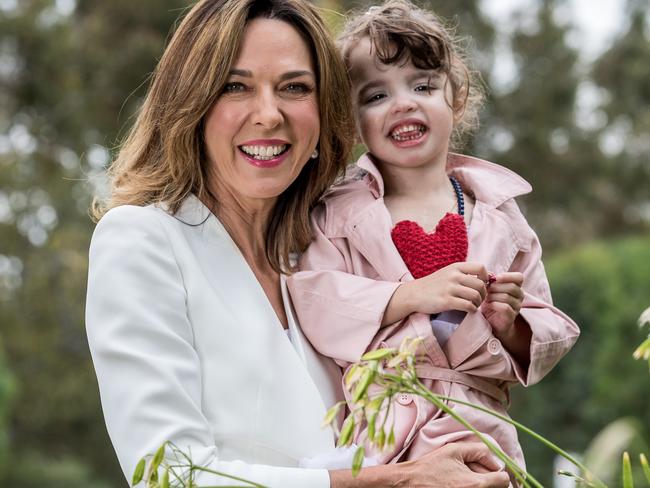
pixel 314 155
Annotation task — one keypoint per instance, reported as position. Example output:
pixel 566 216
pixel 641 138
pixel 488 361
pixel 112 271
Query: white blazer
pixel 187 348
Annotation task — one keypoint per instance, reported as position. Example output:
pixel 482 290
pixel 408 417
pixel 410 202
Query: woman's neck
pixel 246 220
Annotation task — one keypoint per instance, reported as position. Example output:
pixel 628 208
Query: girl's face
pixel 265 124
pixel 402 112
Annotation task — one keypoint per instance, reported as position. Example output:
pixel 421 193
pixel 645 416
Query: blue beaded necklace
pixel 459 195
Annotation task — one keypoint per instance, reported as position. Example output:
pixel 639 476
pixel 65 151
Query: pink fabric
pixel 352 268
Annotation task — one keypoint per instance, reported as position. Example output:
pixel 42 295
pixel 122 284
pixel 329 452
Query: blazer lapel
pixel 300 369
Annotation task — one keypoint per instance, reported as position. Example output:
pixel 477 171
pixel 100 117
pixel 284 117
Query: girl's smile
pixel 403 113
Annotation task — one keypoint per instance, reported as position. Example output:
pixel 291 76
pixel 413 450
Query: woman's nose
pixel 267 111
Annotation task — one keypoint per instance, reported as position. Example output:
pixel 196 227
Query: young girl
pixel 417 241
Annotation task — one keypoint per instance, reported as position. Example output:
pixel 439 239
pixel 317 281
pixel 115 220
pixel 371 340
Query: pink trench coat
pixel 352 268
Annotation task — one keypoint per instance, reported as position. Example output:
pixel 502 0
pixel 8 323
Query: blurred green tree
pixel 603 286
pixel 71 78
pixel 73 73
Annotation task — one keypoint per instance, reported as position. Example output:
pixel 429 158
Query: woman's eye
pixel 234 87
pixel 298 88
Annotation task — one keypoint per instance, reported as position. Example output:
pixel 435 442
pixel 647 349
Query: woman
pixel 246 123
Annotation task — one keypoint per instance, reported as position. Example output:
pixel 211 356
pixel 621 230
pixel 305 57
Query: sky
pixel 596 23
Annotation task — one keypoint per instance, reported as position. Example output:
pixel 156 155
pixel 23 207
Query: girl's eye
pixel 234 87
pixel 374 98
pixel 425 87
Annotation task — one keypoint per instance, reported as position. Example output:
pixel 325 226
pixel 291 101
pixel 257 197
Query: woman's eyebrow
pixel 244 73
pixel 296 74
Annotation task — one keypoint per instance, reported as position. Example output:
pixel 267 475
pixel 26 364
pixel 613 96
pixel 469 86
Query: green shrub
pixel 604 287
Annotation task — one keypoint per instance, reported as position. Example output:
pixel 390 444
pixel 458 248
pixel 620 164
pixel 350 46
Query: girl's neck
pixel 414 183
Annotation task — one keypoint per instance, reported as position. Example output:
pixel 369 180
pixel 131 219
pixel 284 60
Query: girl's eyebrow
pixel 369 86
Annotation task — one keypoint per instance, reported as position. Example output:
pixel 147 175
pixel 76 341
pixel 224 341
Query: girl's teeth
pixel 413 131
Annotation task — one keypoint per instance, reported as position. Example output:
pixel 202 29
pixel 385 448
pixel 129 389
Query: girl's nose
pixel 266 112
pixel 403 103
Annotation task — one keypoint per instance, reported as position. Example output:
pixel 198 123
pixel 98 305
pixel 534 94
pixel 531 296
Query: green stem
pixel 533 434
pixel 521 475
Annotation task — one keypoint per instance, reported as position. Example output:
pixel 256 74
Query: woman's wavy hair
pixel 399 32
pixel 163 158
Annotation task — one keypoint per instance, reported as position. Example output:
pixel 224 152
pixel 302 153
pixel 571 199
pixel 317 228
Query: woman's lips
pixel 267 153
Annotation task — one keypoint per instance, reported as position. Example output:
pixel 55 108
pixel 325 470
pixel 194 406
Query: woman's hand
pixel 459 286
pixel 442 468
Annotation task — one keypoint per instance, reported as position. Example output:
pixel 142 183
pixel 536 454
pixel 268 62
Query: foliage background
pixel 72 74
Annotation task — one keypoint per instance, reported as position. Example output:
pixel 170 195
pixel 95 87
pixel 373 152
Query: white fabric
pixel 445 324
pixel 187 348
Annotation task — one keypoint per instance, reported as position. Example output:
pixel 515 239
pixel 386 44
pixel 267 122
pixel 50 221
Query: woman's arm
pixel 141 342
pixel 442 468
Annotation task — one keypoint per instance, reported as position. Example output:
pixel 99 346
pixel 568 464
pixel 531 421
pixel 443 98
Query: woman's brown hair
pixel 163 158
pixel 400 32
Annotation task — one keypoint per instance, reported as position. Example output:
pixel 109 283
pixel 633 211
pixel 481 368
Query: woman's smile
pixel 265 153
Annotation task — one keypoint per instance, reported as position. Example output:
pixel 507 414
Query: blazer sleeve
pixel 339 312
pixel 553 332
pixel 141 343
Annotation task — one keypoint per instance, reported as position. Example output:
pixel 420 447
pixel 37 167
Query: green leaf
pixel 378 354
pixel 371 428
pixel 138 473
pixel 391 438
pixel 353 375
pixel 331 414
pixel 364 383
pixel 645 466
pixel 346 431
pixel 380 438
pixel 158 457
pixel 357 461
pixel 164 482
pixel 628 482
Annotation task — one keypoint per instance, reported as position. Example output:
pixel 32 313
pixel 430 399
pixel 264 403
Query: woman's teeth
pixel 408 132
pixel 264 152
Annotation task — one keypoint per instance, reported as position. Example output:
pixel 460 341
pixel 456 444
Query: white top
pixel 187 348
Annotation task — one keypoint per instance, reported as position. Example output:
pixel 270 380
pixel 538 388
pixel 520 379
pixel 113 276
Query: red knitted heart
pixel 426 253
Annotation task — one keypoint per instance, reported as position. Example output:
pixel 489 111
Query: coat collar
pixel 490 183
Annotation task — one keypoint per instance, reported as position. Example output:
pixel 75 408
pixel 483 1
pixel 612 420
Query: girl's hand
pixel 459 286
pixel 503 302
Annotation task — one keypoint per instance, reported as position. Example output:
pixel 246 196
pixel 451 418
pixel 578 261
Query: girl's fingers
pixel 507 288
pixel 462 305
pixel 510 277
pixel 475 269
pixel 470 294
pixel 472 282
pixel 506 298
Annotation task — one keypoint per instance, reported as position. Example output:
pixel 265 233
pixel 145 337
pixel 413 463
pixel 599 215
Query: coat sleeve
pixel 339 312
pixel 141 342
pixel 553 332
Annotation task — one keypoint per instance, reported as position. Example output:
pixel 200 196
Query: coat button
pixel 494 346
pixel 404 398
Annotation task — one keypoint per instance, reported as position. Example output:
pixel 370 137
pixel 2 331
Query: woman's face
pixel 265 124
